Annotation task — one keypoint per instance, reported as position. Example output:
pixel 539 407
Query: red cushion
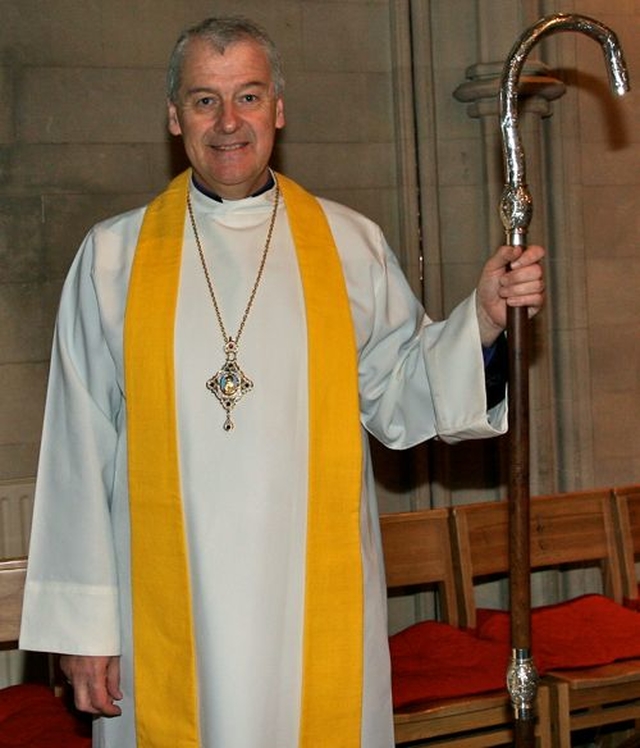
pixel 432 661
pixel 584 632
pixel 30 715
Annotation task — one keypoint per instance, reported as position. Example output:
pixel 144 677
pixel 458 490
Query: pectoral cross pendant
pixel 229 384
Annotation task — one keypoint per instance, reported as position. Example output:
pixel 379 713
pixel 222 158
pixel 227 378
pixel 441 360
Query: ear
pixel 173 122
pixel 280 120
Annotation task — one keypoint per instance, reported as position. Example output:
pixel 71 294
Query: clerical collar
pixel 270 183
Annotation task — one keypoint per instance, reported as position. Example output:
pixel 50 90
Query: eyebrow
pixel 242 87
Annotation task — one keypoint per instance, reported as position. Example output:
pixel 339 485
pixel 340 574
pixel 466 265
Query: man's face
pixel 227 114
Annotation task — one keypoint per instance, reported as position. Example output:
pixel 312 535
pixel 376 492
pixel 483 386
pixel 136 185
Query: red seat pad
pixel 587 631
pixel 32 717
pixel 433 660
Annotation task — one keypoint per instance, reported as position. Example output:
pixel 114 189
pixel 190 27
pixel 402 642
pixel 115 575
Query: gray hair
pixel 220 33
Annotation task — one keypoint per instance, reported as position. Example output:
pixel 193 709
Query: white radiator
pixel 16 506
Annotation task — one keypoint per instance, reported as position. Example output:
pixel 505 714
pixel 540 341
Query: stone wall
pixel 606 186
pixel 82 137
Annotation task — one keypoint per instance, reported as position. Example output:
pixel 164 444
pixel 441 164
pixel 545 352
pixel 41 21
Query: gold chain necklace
pixel 229 384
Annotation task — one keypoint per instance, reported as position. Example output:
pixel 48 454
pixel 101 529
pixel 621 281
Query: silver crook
pixel 516 203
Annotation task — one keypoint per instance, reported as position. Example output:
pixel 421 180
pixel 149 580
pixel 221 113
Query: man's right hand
pixel 95 681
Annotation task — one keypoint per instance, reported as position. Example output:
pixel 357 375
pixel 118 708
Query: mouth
pixel 228 147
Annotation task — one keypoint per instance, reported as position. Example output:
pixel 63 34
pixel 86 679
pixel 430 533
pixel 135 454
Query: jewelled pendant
pixel 229 384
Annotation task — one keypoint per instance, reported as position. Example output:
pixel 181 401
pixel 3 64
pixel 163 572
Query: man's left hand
pixel 511 277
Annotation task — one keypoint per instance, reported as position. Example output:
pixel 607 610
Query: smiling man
pixel 206 556
pixel 227 109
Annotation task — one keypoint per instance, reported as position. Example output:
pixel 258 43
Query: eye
pixel 249 98
pixel 205 101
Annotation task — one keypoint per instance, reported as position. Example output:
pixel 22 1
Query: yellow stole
pixel 164 650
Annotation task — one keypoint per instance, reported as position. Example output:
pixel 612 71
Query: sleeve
pixel 496 370
pixel 71 595
pixel 418 378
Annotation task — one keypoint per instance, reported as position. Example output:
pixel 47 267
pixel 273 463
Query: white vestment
pixel 244 492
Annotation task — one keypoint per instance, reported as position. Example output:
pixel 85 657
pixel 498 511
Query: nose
pixel 228 121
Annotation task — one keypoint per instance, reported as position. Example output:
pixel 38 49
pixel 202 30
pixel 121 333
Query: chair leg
pixel 561 715
pixel 544 717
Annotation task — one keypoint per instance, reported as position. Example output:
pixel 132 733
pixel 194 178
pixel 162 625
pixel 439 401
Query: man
pixel 206 556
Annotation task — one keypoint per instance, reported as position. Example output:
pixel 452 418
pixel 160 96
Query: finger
pixel 535 301
pixel 504 256
pixel 113 680
pixel 524 293
pixel 101 701
pixel 532 255
pixel 82 697
pixel 528 274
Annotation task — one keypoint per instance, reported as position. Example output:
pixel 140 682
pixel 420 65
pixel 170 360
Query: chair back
pixel 12 578
pixel 565 530
pixel 418 553
pixel 627 515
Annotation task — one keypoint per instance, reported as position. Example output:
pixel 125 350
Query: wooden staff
pixel 515 210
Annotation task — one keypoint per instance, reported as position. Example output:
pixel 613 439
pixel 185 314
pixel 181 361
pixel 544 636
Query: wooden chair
pixel 12 576
pixel 566 530
pixel 32 715
pixel 627 517
pixel 418 554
